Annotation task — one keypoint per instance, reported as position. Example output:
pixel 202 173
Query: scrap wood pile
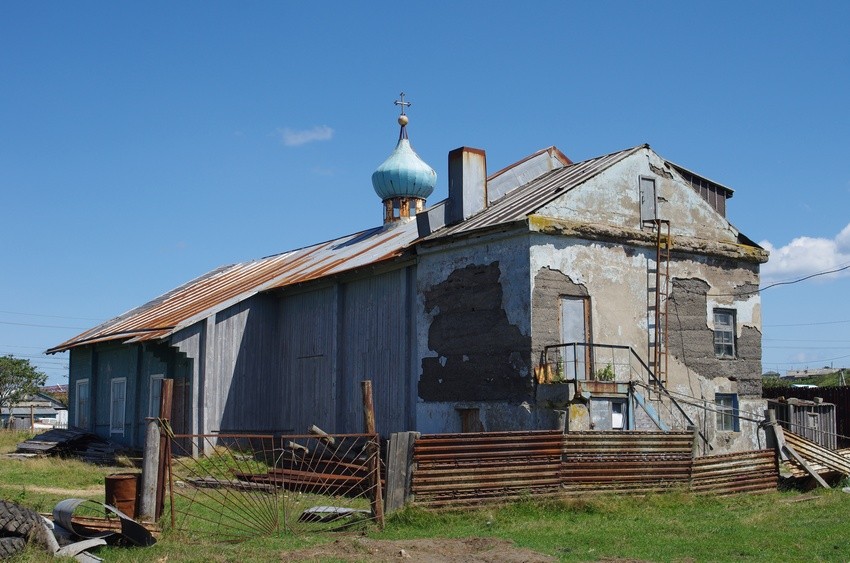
pixel 808 459
pixel 326 465
pixel 71 442
pixel 316 463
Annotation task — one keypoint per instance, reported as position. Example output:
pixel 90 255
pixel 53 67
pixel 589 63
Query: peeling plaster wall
pixel 691 332
pixel 474 333
pixel 615 267
pixel 613 276
pixel 494 300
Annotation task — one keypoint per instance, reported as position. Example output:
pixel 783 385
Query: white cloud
pixel 294 137
pixel 804 256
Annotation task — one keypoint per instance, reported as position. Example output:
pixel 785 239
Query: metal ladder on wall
pixel 657 296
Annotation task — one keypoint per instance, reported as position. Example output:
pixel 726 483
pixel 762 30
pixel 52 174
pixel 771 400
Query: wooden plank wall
pixel 451 470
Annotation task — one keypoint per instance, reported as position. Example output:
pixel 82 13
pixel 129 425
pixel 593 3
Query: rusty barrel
pixel 122 492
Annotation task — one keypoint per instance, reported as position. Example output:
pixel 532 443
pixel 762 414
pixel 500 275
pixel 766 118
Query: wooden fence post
pixel 164 443
pixel 374 452
pixel 399 469
pixel 150 471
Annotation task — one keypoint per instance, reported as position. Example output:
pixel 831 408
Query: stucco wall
pixel 591 241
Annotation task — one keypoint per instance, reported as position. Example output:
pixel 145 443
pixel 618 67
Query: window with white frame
pixel 117 405
pixel 727 412
pixel 724 333
pixel 155 395
pixel 83 404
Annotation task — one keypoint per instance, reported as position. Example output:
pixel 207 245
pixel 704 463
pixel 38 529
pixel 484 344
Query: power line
pixel 808 347
pixel 51 316
pixel 44 326
pixel 776 284
pixel 29 347
pixel 804 340
pixel 823 361
pixel 809 324
pixel 810 276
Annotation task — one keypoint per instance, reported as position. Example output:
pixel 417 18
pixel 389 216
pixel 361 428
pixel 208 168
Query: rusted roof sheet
pixel 230 284
pixel 519 203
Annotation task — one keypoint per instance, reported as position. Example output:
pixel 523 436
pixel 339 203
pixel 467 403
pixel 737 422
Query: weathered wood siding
pixel 307 361
pixel 114 362
pixel 153 363
pixel 242 394
pixel 375 339
pixel 80 367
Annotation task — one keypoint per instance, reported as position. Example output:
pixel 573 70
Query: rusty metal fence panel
pixel 460 469
pixel 451 470
pixel 744 472
pixel 625 462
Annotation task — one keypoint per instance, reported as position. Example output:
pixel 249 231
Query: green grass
pixel 671 527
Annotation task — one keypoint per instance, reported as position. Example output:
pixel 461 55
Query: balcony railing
pixel 575 362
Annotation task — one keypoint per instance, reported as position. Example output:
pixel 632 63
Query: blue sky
pixel 143 144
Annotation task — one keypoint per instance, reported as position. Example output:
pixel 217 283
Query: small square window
pixel 727 412
pixel 724 333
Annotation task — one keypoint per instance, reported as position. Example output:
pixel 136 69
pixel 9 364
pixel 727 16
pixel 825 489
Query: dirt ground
pixel 430 550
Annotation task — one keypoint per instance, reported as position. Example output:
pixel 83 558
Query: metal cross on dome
pixel 402 103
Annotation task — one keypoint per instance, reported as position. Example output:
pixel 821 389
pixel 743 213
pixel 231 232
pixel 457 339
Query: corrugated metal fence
pixel 457 469
pixel 461 469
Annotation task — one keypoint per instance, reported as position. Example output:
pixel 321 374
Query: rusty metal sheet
pixel 462 469
pixel 744 472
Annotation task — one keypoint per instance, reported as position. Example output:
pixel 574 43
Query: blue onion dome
pixel 404 174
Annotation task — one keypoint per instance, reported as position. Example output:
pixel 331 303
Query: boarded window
pixel 724 333
pixel 83 405
pixel 117 403
pixel 727 412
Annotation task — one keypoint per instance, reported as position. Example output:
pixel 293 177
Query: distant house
pixel 609 294
pixel 40 406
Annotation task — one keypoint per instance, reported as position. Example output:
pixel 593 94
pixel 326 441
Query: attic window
pixel 716 195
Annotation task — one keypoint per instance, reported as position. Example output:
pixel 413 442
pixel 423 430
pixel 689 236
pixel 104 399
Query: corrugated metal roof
pixel 230 284
pixel 517 204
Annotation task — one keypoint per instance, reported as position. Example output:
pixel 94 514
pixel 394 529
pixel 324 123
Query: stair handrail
pixel 651 378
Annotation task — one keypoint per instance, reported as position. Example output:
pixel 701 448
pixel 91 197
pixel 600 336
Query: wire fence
pixel 238 486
